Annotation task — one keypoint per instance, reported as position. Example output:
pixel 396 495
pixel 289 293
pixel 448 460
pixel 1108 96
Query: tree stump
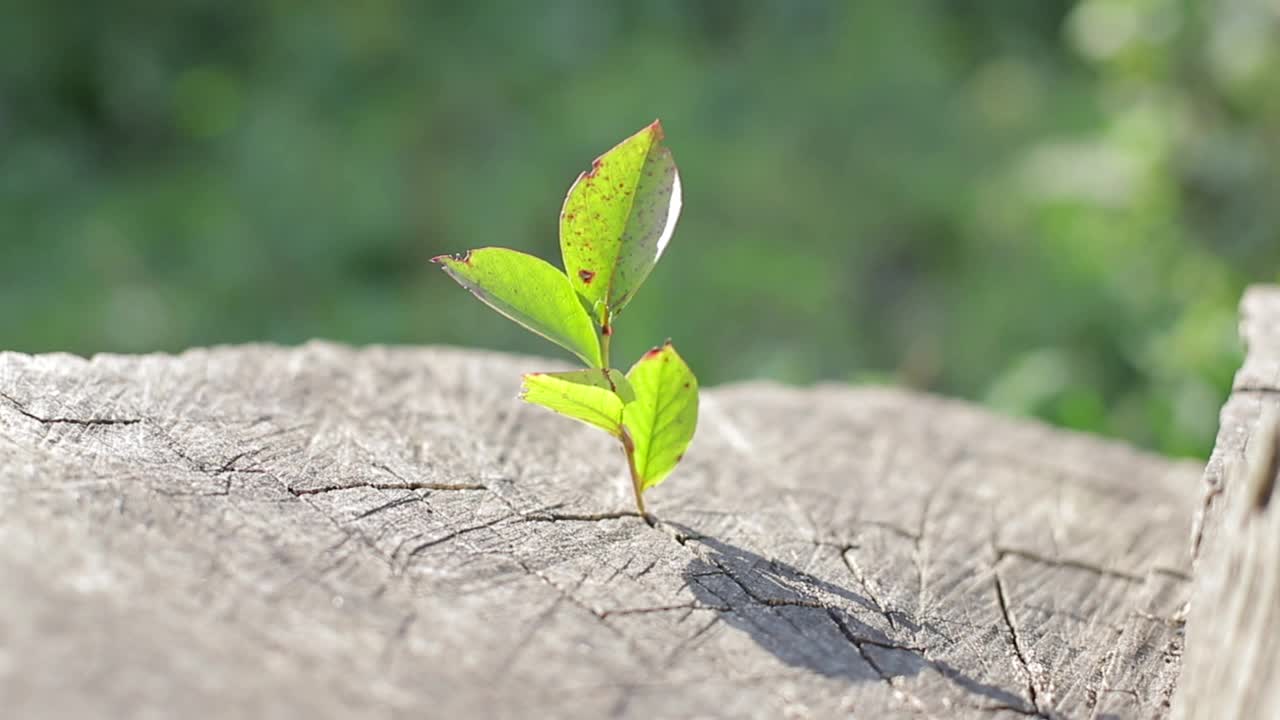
pixel 332 532
pixel 1233 656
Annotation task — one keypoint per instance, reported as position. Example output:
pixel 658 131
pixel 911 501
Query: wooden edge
pixel 1231 667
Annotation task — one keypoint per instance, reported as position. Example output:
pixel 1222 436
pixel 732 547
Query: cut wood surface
pixel 1233 655
pixel 324 532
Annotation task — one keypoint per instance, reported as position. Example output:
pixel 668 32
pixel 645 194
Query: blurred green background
pixel 1050 207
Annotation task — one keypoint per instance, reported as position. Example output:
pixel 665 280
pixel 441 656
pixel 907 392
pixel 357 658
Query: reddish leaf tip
pixel 655 352
pixel 655 127
pixel 462 257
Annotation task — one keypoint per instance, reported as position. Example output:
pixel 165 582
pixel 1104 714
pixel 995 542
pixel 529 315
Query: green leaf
pixel 530 291
pixel 617 220
pixel 593 396
pixel 662 418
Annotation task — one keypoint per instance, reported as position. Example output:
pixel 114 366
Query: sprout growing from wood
pixel 617 219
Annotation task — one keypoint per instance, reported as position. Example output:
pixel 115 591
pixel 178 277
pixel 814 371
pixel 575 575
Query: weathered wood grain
pixel 1232 665
pixel 327 532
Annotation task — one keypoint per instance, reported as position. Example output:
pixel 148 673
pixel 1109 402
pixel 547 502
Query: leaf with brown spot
pixel 618 218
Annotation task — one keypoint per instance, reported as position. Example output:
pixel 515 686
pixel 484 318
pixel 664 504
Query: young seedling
pixel 617 219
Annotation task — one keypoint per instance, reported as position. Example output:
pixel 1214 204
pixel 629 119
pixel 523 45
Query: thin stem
pixel 606 332
pixel 629 448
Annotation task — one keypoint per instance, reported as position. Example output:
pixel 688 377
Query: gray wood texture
pixel 1232 665
pixel 325 532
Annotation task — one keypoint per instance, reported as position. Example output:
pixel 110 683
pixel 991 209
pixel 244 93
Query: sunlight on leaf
pixel 593 396
pixel 662 418
pixel 531 292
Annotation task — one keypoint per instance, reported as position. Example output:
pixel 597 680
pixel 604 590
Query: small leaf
pixel 618 218
pixel 530 291
pixel 662 418
pixel 593 396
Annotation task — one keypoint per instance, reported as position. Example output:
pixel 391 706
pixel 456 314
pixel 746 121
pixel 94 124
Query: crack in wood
pixel 856 570
pixel 418 549
pixel 1115 574
pixel 1255 389
pixel 580 517
pixel 646 570
pixel 390 505
pixel 1005 612
pixel 87 422
pixel 858 645
pixel 411 485
pixel 695 606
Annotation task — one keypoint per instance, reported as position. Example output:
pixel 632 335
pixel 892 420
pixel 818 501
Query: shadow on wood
pixel 782 608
